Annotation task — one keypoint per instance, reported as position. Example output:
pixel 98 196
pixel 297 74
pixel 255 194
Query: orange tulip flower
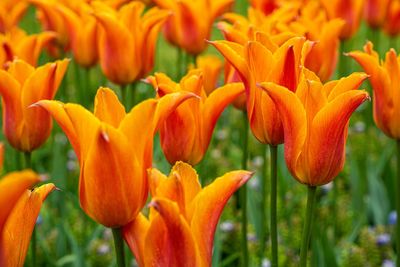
pixel 16 44
pixel 20 207
pixel 392 22
pixel 323 57
pixel 309 20
pixel 385 81
pixel 114 150
pixel 315 120
pixel 183 218
pixel 260 61
pixel 348 10
pixel 127 40
pixel 50 20
pixel 82 31
pixel 191 22
pixel 375 12
pixel 186 133
pixel 21 85
pixel 11 11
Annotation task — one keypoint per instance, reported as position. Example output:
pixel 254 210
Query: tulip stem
pixel 398 206
pixel 123 89
pixel 119 246
pixel 305 239
pixel 274 185
pixel 27 160
pixel 243 191
pixel 264 192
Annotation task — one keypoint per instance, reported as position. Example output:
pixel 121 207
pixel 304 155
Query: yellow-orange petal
pixel 18 228
pixel 107 107
pixel 117 50
pixel 12 187
pixel 109 172
pixel 216 102
pixel 134 234
pixel 180 248
pixel 328 134
pixel 351 82
pixel 294 121
pixel 57 111
pixel 235 54
pixel 208 206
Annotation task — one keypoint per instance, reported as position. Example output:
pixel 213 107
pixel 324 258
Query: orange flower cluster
pixel 279 61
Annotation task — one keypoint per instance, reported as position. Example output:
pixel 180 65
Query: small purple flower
pixel 392 218
pixel 383 239
pixel 388 263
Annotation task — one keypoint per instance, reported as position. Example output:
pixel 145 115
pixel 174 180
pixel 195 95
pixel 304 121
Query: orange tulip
pixel 114 150
pixel 315 121
pixel 211 67
pixel 16 44
pixel 261 61
pixel 309 20
pixel 348 10
pixel 375 12
pixel 191 22
pixel 186 133
pixel 11 11
pixel 82 31
pixel 127 40
pixel 385 81
pixel 51 21
pixel 19 210
pixel 392 22
pixel 21 85
pixel 183 218
pixel 323 57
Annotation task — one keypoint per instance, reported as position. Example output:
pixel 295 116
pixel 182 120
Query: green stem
pixel 273 208
pixel 119 246
pixel 179 64
pixel 398 206
pixel 134 95
pixel 243 192
pixel 123 89
pixel 264 197
pixel 27 160
pixel 342 67
pixel 305 239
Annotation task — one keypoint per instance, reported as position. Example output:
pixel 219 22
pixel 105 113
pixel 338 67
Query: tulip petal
pixel 328 135
pixel 351 82
pixel 208 206
pixel 294 121
pixel 112 202
pixel 235 54
pixel 216 102
pixel 57 111
pixel 107 107
pixel 135 234
pixel 117 50
pixel 181 186
pixel 18 229
pixel 12 186
pixel 180 248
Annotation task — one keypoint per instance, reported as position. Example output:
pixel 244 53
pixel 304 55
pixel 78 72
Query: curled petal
pixel 18 229
pixel 208 206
